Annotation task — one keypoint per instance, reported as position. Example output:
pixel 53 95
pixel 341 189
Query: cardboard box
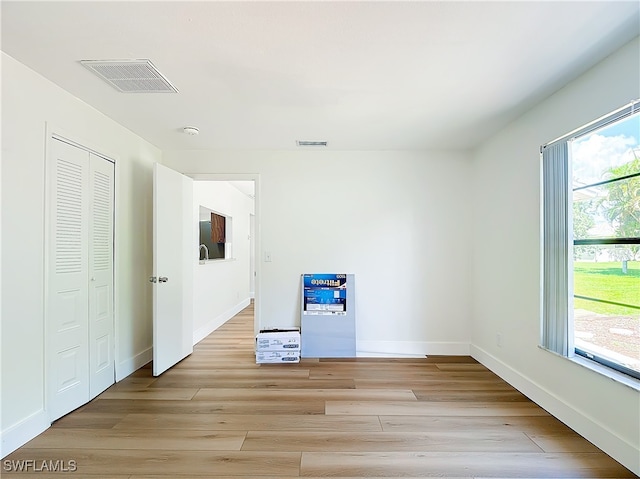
pixel 266 357
pixel 278 340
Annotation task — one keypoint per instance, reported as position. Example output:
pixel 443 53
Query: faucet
pixel 206 251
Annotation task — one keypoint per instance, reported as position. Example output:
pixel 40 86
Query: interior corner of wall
pixel 130 365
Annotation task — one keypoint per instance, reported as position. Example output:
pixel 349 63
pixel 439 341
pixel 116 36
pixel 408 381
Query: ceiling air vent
pixel 310 143
pixel 131 76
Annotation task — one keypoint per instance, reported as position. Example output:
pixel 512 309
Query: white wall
pixel 399 221
pixel 29 103
pixel 221 287
pixel 506 266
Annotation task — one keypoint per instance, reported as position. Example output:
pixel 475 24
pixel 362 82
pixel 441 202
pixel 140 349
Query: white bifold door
pixel 79 286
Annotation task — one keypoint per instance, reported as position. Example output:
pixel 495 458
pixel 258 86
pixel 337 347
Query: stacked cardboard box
pixel 278 346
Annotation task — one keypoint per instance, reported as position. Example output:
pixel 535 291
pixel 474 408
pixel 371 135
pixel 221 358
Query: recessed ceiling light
pixel 191 130
pixel 310 143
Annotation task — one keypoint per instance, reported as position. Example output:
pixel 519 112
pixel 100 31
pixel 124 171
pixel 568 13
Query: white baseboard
pixel 213 324
pixel 21 433
pixel 128 366
pixel 410 348
pixel 623 452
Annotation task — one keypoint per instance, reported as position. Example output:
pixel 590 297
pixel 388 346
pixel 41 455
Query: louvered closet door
pixel 80 317
pixel 68 306
pixel 101 343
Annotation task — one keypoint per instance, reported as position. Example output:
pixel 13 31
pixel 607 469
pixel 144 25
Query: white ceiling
pixel 360 75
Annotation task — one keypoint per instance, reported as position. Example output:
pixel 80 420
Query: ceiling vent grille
pixel 131 76
pixel 310 143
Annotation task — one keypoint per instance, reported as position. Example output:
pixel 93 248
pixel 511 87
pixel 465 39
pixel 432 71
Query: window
pixel 591 250
pixel 215 235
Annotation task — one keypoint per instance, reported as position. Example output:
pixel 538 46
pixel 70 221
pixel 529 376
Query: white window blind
pixel 556 248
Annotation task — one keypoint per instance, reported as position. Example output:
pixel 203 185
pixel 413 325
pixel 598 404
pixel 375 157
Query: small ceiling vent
pixel 310 143
pixel 131 76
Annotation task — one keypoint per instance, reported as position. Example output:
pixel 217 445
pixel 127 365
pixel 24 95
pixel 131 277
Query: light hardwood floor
pixel 217 414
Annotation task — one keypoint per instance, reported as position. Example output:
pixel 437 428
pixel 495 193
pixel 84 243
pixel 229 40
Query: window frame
pixel 591 355
pixel 557 244
pixel 208 243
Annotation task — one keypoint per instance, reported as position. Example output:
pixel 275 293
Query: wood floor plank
pixel 443 408
pixel 531 425
pixel 445 464
pixel 283 372
pixel 170 463
pixel 142 371
pixel 399 375
pixel 222 394
pixel 467 367
pixel 265 477
pixel 381 368
pixel 204 363
pixel 90 420
pixel 467 395
pixel 135 383
pixel 459 441
pixel 276 383
pixel 387 360
pixel 438 384
pixel 149 394
pixel 209 407
pixel 433 358
pixel 172 440
pixel 562 443
pixel 255 422
pixel 69 474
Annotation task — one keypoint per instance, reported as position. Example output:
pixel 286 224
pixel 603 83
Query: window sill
pixel 608 372
pixel 601 369
pixel 219 260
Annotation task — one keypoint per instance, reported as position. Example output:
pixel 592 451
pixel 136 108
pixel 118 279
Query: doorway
pixel 249 185
pixel 234 276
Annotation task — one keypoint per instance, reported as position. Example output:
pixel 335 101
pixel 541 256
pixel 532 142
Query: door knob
pixel 163 279
pixel 153 279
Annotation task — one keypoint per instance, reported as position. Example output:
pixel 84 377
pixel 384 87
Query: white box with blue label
pixel 279 357
pixel 278 340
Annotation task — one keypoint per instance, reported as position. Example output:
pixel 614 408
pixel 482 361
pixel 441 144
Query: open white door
pixel 174 253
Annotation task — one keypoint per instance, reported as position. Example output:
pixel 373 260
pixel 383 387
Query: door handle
pixel 163 279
